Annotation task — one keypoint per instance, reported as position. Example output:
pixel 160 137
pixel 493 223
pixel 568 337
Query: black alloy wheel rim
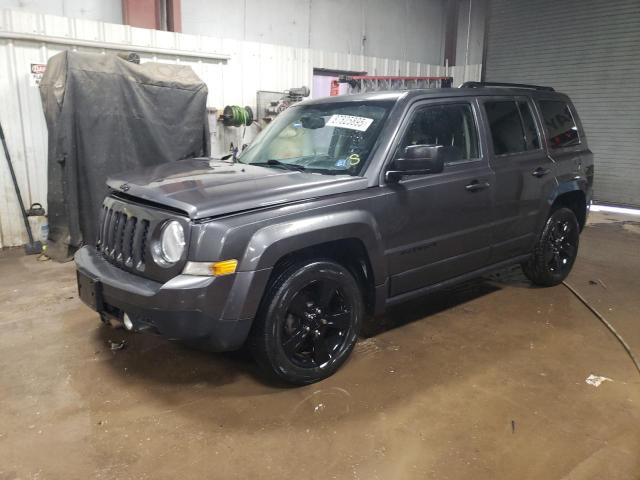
pixel 316 324
pixel 561 247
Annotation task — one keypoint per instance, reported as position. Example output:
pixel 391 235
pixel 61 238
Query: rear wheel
pixel 556 250
pixel 308 322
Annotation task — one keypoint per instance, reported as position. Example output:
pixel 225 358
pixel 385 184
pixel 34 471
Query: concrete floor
pixel 486 381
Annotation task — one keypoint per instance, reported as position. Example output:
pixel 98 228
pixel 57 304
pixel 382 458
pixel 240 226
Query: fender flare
pixel 271 243
pixel 570 185
pixel 574 184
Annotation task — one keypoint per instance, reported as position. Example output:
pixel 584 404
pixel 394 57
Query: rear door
pixel 438 226
pixel 524 177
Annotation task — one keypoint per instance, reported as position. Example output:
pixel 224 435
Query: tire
pixel 555 251
pixel 308 322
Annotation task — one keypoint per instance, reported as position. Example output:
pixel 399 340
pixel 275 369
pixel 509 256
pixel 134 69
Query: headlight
pixel 172 243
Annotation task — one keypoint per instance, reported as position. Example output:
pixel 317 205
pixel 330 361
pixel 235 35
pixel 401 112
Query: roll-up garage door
pixel 590 50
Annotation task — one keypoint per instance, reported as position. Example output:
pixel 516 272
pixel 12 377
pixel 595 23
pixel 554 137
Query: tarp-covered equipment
pixel 107 115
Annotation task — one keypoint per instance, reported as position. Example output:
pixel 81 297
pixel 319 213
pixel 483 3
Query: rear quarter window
pixel 559 123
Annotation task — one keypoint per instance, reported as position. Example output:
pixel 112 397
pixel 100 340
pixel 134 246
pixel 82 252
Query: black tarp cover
pixel 107 115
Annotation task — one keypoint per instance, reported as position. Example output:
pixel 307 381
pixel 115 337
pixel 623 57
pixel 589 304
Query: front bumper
pixel 219 310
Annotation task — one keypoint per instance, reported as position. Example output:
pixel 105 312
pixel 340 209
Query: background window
pixel 506 127
pixel 451 126
pixel 559 123
pixel 531 133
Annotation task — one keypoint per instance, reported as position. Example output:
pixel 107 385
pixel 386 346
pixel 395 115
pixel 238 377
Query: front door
pixel 438 226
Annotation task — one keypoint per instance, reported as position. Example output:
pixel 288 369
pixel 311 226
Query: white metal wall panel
pixel 101 10
pixel 406 29
pixel 462 73
pixel 589 50
pixel 251 66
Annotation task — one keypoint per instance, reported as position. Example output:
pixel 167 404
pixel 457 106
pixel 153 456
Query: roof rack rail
pixel 507 85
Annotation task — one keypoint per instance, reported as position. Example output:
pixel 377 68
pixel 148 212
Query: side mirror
pixel 417 160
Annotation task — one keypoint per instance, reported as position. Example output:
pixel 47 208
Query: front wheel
pixel 308 322
pixel 556 250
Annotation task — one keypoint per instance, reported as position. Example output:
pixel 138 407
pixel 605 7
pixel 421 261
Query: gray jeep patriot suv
pixel 341 207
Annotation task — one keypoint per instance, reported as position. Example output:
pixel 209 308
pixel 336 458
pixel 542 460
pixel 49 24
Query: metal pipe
pixel 466 53
pixel 112 46
pixel 16 186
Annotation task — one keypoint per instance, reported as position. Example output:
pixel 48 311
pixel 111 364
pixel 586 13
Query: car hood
pixel 204 187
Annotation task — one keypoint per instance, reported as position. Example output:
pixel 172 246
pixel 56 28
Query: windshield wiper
pixel 278 163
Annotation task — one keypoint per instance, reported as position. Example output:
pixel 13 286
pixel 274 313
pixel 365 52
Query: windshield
pixel 331 138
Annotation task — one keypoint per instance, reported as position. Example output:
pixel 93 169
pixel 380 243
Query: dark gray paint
pixel 208 188
pixel 419 234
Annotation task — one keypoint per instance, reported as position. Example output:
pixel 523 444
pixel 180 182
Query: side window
pixel 451 126
pixel 531 132
pixel 506 127
pixel 559 123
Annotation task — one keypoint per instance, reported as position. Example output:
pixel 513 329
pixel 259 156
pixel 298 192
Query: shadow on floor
pixel 445 299
pixel 159 360
pixel 166 362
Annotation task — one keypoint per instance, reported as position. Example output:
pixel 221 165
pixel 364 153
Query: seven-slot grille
pixel 123 238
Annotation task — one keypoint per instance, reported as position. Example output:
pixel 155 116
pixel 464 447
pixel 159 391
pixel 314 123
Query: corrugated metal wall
pixel 251 66
pixel 589 50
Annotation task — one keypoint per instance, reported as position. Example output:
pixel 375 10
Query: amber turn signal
pixel 226 267
pixel 216 269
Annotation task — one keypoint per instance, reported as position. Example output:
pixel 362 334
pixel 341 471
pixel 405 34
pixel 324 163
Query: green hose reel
pixel 236 116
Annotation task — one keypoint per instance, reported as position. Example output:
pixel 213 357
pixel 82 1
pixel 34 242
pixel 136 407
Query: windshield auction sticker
pixel 351 122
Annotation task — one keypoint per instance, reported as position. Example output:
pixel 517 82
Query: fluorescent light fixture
pixel 605 208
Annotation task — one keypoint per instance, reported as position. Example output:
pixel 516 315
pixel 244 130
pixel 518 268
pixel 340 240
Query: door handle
pixel 476 186
pixel 540 172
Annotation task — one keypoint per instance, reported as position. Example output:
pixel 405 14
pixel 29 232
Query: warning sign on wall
pixel 37 70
